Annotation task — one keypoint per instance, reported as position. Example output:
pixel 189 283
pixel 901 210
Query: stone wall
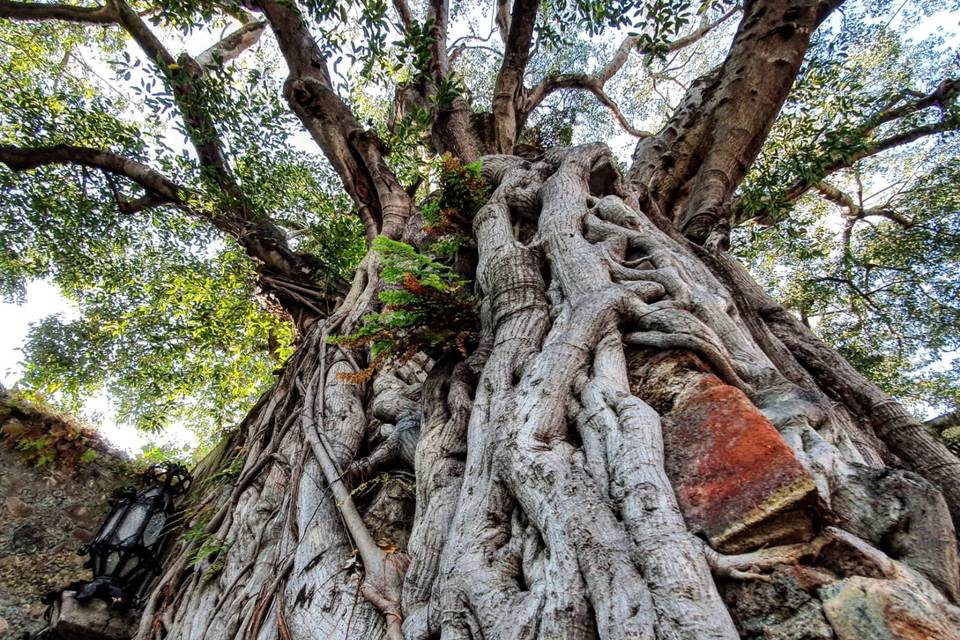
pixel 46 513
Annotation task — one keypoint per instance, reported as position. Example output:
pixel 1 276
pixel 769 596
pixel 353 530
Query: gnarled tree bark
pixel 544 503
pixel 642 445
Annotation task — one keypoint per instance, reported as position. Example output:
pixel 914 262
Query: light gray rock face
pixel 93 620
pixel 862 608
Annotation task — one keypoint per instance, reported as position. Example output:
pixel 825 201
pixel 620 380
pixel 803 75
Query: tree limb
pixel 691 168
pixel 23 159
pixel 356 155
pixel 800 187
pixel 856 211
pixel 508 91
pixel 234 212
pixel 143 36
pixel 185 77
pixel 232 45
pixel 945 92
pixel 403 11
pixel 439 15
pixel 555 82
pixel 501 18
pixel 594 86
pixel 37 11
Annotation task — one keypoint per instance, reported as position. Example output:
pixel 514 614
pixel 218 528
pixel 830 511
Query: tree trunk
pixel 631 452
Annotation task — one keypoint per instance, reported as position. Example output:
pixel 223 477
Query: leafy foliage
pixel 428 309
pixel 449 213
pixel 168 318
pixel 877 279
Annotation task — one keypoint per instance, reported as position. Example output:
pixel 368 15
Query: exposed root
pixel 543 506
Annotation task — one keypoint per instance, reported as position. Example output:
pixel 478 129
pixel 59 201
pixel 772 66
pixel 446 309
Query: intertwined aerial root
pixel 521 492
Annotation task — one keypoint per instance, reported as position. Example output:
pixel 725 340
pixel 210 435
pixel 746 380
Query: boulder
pixel 861 608
pixel 92 620
pixel 736 479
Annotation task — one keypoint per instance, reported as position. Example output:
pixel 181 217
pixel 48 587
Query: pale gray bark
pixel 542 504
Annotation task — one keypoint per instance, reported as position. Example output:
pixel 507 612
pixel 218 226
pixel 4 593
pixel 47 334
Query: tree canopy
pixel 162 166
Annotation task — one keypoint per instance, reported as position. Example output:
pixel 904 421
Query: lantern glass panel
pixel 130 564
pixel 108 527
pixel 113 559
pixel 132 523
pixel 154 528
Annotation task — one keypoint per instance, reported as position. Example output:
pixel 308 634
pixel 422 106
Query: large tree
pixel 547 402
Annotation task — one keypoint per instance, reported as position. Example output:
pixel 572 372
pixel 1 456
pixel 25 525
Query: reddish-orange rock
pixel 737 481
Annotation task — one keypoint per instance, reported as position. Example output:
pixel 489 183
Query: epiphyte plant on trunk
pixel 612 431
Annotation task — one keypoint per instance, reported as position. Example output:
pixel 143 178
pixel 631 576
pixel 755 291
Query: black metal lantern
pixel 127 547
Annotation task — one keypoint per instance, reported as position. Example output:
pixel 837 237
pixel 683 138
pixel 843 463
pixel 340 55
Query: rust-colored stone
pixel 811 578
pixel 737 481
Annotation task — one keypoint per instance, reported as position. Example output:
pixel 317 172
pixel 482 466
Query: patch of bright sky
pixel 43 298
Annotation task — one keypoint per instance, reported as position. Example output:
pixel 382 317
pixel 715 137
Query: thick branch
pixel 694 164
pixel 508 91
pixel 357 155
pixel 143 36
pixel 232 45
pixel 439 15
pixel 36 11
pixel 403 11
pixel 23 159
pixel 452 128
pixel 185 76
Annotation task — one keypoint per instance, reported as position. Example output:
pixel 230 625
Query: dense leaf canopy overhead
pixel 850 216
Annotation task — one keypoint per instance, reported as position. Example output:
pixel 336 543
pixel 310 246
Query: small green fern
pixel 428 308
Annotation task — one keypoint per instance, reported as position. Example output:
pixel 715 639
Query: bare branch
pixel 37 11
pixel 508 91
pixel 406 16
pixel 460 44
pixel 23 159
pixel 857 211
pixel 556 82
pixel 595 86
pixel 232 45
pixel 595 83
